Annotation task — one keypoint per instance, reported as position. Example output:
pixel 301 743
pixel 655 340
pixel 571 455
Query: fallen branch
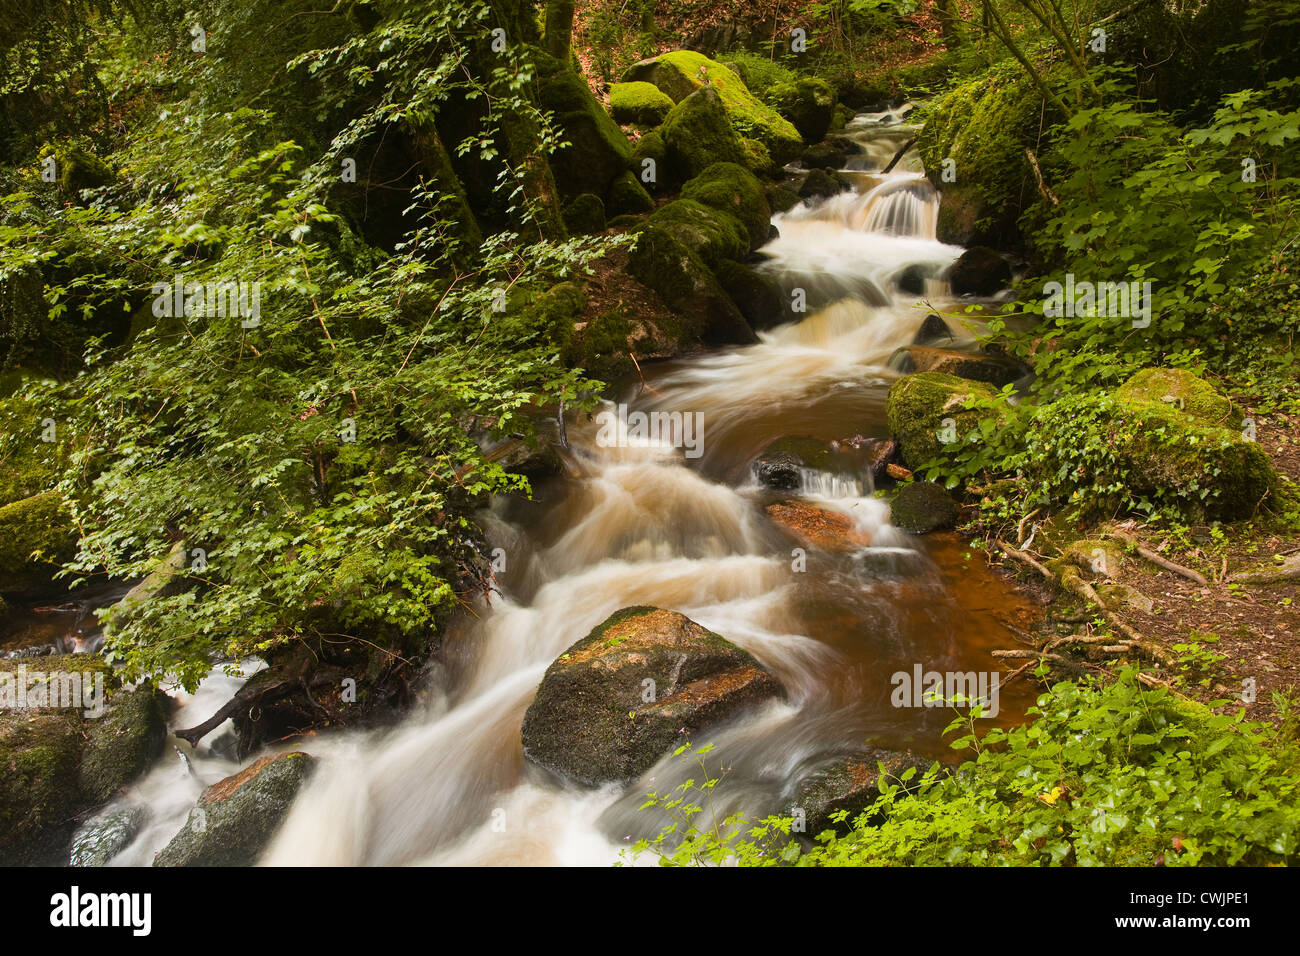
pixel 1038 175
pixel 1160 560
pixel 1022 556
pixel 898 155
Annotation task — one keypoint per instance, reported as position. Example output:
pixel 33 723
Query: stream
pixel 642 523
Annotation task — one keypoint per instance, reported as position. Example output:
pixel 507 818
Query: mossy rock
pixel 1192 395
pixel 36 536
pixel 781 197
pixel 57 763
pixel 963 215
pixel 590 721
pixel 823 183
pixel 654 175
pixel 627 197
pixel 660 261
pixel 995 369
pixel 984 126
pixel 681 73
pixel 585 215
pixel 734 190
pixel 709 232
pixel 597 149
pixel 852 784
pixel 808 103
pixel 236 818
pixel 78 169
pixel 28 465
pixel 758 298
pixel 920 507
pixel 698 134
pixel 601 347
pixel 639 102
pixel 919 405
pixel 841 117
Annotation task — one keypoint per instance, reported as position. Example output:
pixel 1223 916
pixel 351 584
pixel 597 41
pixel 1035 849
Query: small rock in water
pixel 933 329
pixel 852 784
pixel 818 527
pixel 106 834
pixel 922 507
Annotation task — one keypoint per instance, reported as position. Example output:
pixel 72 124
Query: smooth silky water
pixel 646 525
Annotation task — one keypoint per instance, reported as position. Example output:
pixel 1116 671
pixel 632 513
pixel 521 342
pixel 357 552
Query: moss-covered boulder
pixel 29 465
pixel 681 73
pixel 35 538
pixel 597 149
pixel 852 784
pixel 1189 394
pixel 59 761
pixel 698 134
pixel 709 232
pixel 757 296
pixel 733 189
pixel 585 215
pixel 808 103
pixel 650 162
pixel 633 689
pixel 627 197
pixel 639 102
pixel 823 183
pixel 675 271
pixel 920 507
pixel 782 197
pixel 236 818
pixel 928 411
pixel 78 169
pixel 985 126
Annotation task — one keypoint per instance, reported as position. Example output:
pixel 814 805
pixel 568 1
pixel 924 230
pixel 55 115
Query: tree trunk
pixel 559 30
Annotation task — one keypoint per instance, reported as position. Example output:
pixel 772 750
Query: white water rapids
pixel 644 525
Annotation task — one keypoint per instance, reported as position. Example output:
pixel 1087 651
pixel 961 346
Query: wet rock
pixel 921 507
pixel 106 834
pixel 56 763
pixel 819 183
pixel 824 156
pixel 933 329
pixel 852 784
pixel 736 192
pixel 961 210
pixel 808 103
pixel 591 722
pixel 878 455
pixel 980 271
pixel 639 102
pixel 757 297
pixel 927 412
pixel 782 197
pixel 779 470
pixel 236 818
pixel 709 233
pixel 818 527
pixel 994 369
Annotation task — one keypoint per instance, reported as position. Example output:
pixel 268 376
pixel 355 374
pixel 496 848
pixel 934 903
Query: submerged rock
pixel 819 528
pixel 921 507
pixel 853 784
pixel 236 818
pixel 643 682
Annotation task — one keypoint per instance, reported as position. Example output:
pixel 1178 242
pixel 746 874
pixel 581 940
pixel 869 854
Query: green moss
pixel 652 146
pixel 627 197
pixel 28 465
pixel 585 215
pixel 597 149
pixel 917 406
pixel 38 525
pixel 122 744
pixel 639 102
pixel 78 169
pixel 732 189
pixel 682 72
pixel 1192 395
pixel 600 347
pixel 680 278
pixel 709 232
pixel 759 73
pixel 808 103
pixel 697 134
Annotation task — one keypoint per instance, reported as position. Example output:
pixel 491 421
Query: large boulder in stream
pixel 735 191
pixel 930 411
pixel 236 818
pixel 65 749
pixel 697 134
pixel 921 507
pixel 712 234
pixel 980 271
pixel 643 682
pixel 808 103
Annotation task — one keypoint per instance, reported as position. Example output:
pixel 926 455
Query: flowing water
pixel 644 524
